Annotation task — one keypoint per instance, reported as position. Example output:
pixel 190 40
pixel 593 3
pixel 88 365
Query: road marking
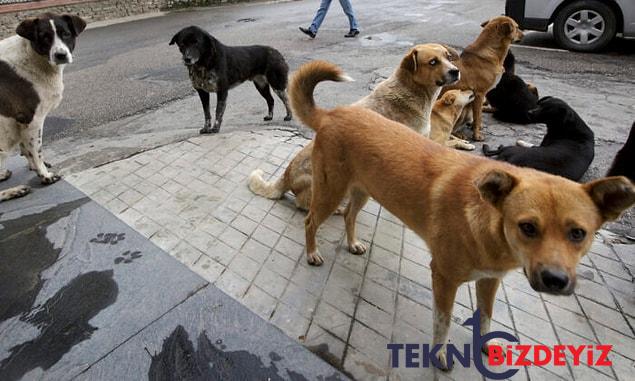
pixel 541 48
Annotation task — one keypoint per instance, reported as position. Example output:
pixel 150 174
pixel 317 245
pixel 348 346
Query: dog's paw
pixel 468 147
pixel 288 118
pixel 442 358
pixel 205 130
pixel 357 248
pixel 50 178
pixel 314 259
pixel 5 176
pixel 478 138
pixel 268 117
pixel 493 342
pixel 340 211
pixel 15 192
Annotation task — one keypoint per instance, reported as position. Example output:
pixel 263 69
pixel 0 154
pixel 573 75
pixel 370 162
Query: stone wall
pixel 92 10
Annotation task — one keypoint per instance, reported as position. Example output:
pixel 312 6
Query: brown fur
pixel 406 96
pixel 471 211
pixel 481 63
pixel 445 114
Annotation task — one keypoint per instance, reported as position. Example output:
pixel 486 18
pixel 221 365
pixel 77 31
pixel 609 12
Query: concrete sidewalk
pixel 83 296
pixel 191 199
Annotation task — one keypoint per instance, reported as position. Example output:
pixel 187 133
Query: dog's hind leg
pixel 32 138
pixel 328 191
pixel 444 291
pixel 282 94
pixel 356 203
pixel 263 88
pixel 204 96
pixel 485 294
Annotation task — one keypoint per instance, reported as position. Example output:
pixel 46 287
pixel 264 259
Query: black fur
pixel 566 150
pixel 624 162
pixel 511 97
pixel 39 32
pixel 18 98
pixel 214 67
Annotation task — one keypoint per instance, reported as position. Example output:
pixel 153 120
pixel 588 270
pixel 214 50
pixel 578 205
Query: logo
pixel 514 355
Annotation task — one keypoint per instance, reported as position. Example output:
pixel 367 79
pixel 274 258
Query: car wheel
pixel 585 26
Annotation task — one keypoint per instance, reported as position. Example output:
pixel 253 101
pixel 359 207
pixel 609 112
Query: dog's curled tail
pixel 303 84
pixel 269 189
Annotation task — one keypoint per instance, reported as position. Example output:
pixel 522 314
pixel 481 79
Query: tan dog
pixel 481 63
pixel 480 218
pixel 445 114
pixel 406 96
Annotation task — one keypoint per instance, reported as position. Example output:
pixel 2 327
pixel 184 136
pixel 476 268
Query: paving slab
pixel 349 308
pixel 83 295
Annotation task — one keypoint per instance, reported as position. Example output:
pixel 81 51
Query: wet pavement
pixel 84 296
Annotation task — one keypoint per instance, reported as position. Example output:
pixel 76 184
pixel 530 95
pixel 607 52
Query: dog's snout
pixel 187 60
pixel 61 57
pixel 454 73
pixel 554 280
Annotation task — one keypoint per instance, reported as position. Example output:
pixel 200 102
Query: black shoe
pixel 352 33
pixel 308 32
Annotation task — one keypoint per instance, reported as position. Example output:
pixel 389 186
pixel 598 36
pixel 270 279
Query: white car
pixel 582 25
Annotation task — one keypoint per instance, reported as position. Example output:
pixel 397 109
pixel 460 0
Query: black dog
pixel 567 150
pixel 624 162
pixel 216 68
pixel 512 98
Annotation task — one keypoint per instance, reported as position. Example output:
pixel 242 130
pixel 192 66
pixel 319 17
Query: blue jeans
pixel 324 7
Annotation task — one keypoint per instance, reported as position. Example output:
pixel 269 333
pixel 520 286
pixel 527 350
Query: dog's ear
pixel 449 99
pixel 28 29
pixel 495 185
pixel 484 23
pixel 76 23
pixel 505 28
pixel 409 62
pixel 453 55
pixel 174 39
pixel 612 195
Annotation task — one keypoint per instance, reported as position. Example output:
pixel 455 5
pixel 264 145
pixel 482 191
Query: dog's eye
pixel 577 235
pixel 528 229
pixel 433 62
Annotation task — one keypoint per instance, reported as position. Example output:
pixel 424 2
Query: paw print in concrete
pixel 128 257
pixel 109 238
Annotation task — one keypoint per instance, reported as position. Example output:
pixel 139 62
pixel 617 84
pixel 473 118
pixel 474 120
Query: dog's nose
pixel 187 60
pixel 61 57
pixel 454 73
pixel 554 280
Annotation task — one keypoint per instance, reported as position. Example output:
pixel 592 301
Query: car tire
pixel 585 26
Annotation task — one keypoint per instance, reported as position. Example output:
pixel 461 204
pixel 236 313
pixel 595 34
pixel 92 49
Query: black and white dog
pixel 567 149
pixel 216 68
pixel 31 66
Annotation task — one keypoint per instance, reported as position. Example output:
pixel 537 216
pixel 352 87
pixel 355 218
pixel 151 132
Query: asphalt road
pixel 128 68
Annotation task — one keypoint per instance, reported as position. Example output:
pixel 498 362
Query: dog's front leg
pixel 485 296
pixel 444 291
pixel 32 143
pixel 204 96
pixel 221 102
pixel 477 111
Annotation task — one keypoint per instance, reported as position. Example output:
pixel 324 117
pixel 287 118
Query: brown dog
pixel 406 96
pixel 481 63
pixel 445 115
pixel 480 218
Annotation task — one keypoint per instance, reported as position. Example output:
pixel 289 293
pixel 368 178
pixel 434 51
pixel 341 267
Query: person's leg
pixel 348 10
pixel 319 15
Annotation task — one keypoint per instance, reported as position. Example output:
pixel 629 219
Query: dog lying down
pixel 480 218
pixel 512 98
pixel 567 149
pixel 446 113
